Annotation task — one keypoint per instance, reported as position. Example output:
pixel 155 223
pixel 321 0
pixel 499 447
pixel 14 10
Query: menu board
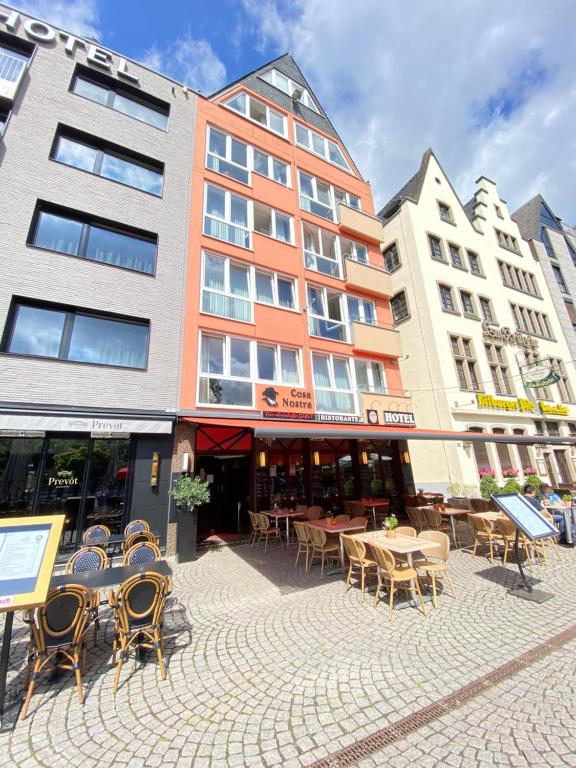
pixel 526 517
pixel 28 547
pixel 262 488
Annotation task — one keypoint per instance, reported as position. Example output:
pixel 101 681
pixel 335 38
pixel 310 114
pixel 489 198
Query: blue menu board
pixel 526 517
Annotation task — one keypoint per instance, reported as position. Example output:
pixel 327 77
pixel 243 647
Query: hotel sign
pixel 40 32
pixel 507 336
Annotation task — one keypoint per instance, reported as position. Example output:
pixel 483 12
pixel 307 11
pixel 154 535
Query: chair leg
pixel 362 572
pixel 348 578
pixel 475 546
pixel 160 658
pixel 24 711
pixel 117 676
pixel 78 675
pixel 298 554
pixel 424 611
pixel 449 580
pixel 322 566
pixel 391 601
pixel 505 556
pixel 491 551
pixel 434 594
pixel 378 588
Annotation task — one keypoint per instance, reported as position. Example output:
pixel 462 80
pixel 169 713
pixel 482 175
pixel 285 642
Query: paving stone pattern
pixel 269 666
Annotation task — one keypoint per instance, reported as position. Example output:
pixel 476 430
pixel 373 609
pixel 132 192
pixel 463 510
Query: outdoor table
pixel 400 545
pixel 492 517
pixel 108 577
pixel 372 504
pixel 451 513
pixel 286 514
pixel 343 527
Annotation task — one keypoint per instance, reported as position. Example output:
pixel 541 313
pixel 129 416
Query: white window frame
pixel 313 255
pixel 326 142
pixel 250 159
pixel 278 349
pixel 273 213
pixel 305 99
pixel 332 388
pixel 228 195
pixel 370 376
pixel 228 262
pixel 246 115
pixel 333 199
pixel 275 293
pixel 361 312
pixel 226 372
pixel 271 160
pixel 326 318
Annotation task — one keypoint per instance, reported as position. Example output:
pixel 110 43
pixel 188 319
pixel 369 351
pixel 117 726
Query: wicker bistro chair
pixel 58 636
pixel 434 520
pixel 552 540
pixel 396 577
pixel 360 520
pixel 266 529
pixel 254 527
pixel 414 517
pixel 314 513
pixel 505 531
pixel 138 608
pixel 484 533
pixel 342 518
pixel 439 565
pixel 143 552
pixel 96 535
pixel 135 526
pixel 406 530
pixel 356 551
pixel 323 547
pixel 480 505
pixel 303 536
pixel 87 559
pixel 137 537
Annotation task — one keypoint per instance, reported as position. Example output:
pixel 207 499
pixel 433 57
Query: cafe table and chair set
pixel 135 592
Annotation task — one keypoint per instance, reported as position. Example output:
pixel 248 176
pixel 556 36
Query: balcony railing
pixel 368 278
pixel 11 72
pixel 376 339
pixel 361 224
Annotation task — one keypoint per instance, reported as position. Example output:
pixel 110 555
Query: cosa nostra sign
pixel 40 32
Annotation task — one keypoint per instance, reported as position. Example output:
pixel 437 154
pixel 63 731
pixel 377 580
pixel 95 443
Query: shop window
pixel 480 451
pixel 19 462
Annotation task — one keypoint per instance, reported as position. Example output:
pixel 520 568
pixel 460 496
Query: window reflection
pixel 108 342
pixel 37 332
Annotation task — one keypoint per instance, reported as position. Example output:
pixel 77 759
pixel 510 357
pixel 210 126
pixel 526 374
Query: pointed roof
pixel 287 66
pixel 533 215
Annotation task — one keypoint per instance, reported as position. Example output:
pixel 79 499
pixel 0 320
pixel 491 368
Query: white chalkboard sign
pixel 525 516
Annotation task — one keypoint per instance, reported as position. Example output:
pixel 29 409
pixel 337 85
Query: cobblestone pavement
pixel 269 666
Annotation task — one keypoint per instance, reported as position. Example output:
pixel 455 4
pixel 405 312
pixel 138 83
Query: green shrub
pixel 190 492
pixel 488 485
pixel 511 486
pixel 536 482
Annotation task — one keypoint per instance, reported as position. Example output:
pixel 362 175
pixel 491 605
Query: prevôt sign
pixel 405 418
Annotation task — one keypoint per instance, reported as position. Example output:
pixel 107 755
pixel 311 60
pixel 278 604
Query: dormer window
pixel 290 88
pixel 320 145
pixel 255 110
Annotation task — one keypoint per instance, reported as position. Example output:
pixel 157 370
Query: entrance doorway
pixel 227 511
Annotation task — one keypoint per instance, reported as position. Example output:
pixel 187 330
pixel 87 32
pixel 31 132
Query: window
pixel 106 160
pixel 326 316
pixel 67 232
pixel 474 263
pixel 564 389
pixel 282 82
pixel 559 278
pixel 235 159
pixel 519 279
pixel 320 145
pixel 333 384
pixel 225 371
pixel 226 217
pixel 370 376
pixel 12 63
pixel 226 288
pixel 361 310
pixel 465 362
pixel 268 221
pixel 391 258
pixel 507 241
pixel 62 333
pixel 498 369
pixel 258 112
pixel 399 307
pixel 4 115
pixel 523 454
pixel 446 298
pixel 322 199
pixel 110 93
pixel 468 304
pixel 486 309
pixel 503 450
pixel 277 364
pixel 531 321
pixel 480 450
pixel 275 289
pixel 498 211
pixel 436 248
pixel 456 256
pixel 445 212
pixel 321 250
pixel 547 244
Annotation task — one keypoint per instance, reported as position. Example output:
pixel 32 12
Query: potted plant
pixel 488 484
pixel 391 523
pixel 330 517
pixel 189 492
pixel 510 472
pixel 567 499
pixel 511 486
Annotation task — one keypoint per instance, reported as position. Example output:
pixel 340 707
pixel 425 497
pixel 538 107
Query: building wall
pixel 27 175
pixel 429 372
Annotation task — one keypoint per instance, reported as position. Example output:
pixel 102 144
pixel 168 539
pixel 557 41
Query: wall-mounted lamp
pixel 405 457
pixel 316 458
pixel 154 467
pixel 262 459
pixel 364 457
pixel 467 446
pixel 185 462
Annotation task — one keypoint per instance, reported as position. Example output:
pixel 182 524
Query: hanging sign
pixel 539 374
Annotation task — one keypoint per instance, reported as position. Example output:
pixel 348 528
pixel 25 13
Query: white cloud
pixel 490 86
pixel 77 16
pixel 191 61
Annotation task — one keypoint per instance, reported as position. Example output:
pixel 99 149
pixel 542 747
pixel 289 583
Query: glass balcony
pixel 12 68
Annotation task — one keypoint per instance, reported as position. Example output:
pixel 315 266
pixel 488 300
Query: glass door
pixel 19 461
pixel 106 487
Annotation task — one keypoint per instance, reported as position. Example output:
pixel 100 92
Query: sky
pixel 490 86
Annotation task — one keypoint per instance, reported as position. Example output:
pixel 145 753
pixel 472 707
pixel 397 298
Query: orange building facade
pixel 290 359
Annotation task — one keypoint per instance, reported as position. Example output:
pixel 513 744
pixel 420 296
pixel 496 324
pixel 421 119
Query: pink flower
pixel 510 472
pixel 487 472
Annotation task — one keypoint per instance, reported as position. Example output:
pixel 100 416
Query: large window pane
pixel 132 174
pixel 341 374
pixel 108 342
pixel 214 272
pixel 58 233
pixel 240 358
pixel 238 280
pixel 225 392
pixel 289 362
pixel 140 111
pixel 266 363
pixel 264 290
pixel 107 483
pixel 19 460
pixel 212 355
pixel 76 154
pixel 37 332
pixel 320 371
pixel 216 202
pixel 283 228
pixel 91 91
pixel 111 247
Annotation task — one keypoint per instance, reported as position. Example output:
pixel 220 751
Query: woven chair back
pixel 480 525
pixel 96 534
pixel 135 526
pixel 342 518
pixel 433 517
pixel 506 528
pixel 356 550
pixel 63 618
pixel 406 530
pixel 87 559
pixel 301 508
pixel 263 521
pixel 301 532
pixel 138 537
pixel 360 520
pixel 317 536
pixel 143 552
pixel 442 551
pixel 140 600
pixel 384 559
pixel 314 513
pixel 480 505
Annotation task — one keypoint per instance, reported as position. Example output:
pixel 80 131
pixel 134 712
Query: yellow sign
pixel 554 410
pixel 499 404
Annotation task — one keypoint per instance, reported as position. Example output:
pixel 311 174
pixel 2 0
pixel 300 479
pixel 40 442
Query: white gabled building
pixel 474 309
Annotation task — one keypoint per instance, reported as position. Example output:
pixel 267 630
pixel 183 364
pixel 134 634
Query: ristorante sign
pixel 520 405
pixel 40 32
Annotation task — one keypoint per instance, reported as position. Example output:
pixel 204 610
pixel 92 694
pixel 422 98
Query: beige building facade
pixel 477 323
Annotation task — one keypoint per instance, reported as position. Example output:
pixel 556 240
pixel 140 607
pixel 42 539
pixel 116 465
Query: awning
pixel 265 428
pixel 105 424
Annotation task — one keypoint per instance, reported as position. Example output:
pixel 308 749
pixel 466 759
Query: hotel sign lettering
pixel 40 32
pixel 507 336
